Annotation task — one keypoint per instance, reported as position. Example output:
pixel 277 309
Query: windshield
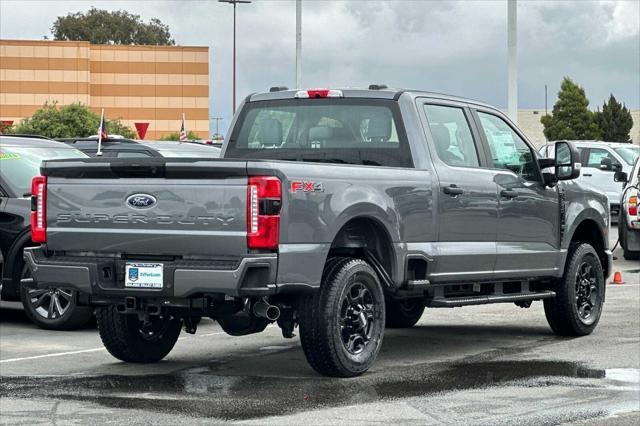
pixel 348 131
pixel 19 164
pixel 628 153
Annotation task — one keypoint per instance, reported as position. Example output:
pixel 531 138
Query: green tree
pixel 175 136
pixel 615 121
pixel 571 118
pixel 68 121
pixel 99 26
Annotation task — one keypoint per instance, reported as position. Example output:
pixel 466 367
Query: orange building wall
pixel 154 84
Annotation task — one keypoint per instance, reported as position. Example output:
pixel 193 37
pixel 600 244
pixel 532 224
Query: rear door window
pixel 452 135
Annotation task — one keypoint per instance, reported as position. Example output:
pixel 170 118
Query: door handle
pixel 509 193
pixel 587 174
pixel 452 190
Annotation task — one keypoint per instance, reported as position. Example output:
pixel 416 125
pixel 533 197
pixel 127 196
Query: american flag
pixel 183 131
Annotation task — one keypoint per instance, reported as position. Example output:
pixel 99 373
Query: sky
pixel 454 47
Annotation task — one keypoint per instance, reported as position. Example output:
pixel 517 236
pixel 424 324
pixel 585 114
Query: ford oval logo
pixel 141 201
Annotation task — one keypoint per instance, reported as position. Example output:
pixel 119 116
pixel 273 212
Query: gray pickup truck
pixel 339 211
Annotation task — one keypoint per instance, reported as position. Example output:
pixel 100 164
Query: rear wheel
pixel 53 308
pixel 404 313
pixel 576 309
pixel 129 339
pixel 342 325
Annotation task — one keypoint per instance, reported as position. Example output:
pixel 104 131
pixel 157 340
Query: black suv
pixel 20 158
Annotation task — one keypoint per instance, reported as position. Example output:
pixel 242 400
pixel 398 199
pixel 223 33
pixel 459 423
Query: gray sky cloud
pixel 456 47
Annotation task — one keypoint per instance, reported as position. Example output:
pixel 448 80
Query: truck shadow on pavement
pixel 275 380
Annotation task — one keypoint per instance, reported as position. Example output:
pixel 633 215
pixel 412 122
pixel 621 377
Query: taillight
pixel 633 205
pixel 319 93
pixel 39 209
pixel 264 197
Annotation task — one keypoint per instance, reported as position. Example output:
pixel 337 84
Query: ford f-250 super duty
pixel 338 211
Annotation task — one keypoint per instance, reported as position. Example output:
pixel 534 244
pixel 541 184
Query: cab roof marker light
pixel 319 93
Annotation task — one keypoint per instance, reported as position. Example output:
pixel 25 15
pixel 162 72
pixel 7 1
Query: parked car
pixel 113 147
pixel 20 157
pixel 183 149
pixel 600 160
pixel 629 224
pixel 338 211
pixel 128 148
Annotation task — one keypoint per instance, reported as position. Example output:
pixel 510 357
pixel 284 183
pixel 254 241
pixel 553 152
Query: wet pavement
pixel 496 364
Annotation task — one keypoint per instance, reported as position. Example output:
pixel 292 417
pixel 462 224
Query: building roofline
pixel 16 42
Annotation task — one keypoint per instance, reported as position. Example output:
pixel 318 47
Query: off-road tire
pixel 121 336
pixel 319 319
pixel 404 313
pixel 73 317
pixel 562 311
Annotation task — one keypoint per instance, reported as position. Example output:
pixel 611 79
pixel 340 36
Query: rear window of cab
pixel 349 131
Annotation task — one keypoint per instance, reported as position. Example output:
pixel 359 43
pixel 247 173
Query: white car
pixel 600 161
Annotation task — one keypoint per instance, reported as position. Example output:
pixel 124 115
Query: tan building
pixel 529 122
pixel 153 84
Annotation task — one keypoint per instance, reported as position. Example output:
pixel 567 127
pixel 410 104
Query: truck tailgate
pixel 168 207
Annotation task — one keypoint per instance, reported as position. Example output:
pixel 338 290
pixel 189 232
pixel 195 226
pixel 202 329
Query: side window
pixel 596 155
pixel 452 135
pixel 508 150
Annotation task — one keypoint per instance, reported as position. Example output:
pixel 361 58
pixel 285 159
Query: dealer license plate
pixel 143 275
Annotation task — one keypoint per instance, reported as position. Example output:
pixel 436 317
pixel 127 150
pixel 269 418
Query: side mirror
pixel 606 164
pixel 567 161
pixel 620 177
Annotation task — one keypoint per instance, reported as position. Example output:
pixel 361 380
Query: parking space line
pixel 56 354
pixel 26 358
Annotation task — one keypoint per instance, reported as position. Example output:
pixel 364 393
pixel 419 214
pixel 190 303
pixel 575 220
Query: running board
pixel 483 300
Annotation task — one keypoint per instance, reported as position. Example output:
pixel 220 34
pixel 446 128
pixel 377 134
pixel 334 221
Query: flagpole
pixel 99 153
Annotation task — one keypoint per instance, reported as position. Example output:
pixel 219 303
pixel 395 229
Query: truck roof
pixel 280 93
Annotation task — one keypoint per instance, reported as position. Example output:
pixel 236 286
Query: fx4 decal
pixel 305 186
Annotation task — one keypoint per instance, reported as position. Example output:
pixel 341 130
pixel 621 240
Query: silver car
pixel 600 160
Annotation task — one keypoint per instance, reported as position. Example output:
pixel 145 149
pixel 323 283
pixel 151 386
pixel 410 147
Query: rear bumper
pixel 253 275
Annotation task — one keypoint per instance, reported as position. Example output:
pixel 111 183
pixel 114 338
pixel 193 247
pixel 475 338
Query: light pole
pixel 217 121
pixel 298 44
pixel 234 3
pixel 512 47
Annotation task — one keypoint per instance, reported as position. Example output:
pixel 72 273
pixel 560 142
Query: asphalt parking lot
pixel 495 364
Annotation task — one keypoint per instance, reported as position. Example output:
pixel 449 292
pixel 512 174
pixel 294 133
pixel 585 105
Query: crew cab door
pixel 601 178
pixel 528 211
pixel 467 199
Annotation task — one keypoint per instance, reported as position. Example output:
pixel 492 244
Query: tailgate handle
pixel 138 170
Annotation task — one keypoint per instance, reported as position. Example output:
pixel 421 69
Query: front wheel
pixel 130 339
pixel 576 309
pixel 342 325
pixel 53 308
